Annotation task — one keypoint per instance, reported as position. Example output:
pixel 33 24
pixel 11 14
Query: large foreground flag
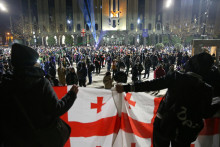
pixel 104 118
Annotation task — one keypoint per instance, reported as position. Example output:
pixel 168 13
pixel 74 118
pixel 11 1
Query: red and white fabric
pixel 104 118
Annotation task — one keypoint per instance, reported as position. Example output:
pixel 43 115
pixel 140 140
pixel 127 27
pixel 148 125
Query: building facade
pixel 119 22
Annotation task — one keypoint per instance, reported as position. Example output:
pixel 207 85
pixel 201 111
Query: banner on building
pixel 145 33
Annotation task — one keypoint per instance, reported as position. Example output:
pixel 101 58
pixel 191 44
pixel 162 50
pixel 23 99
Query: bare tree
pixel 23 29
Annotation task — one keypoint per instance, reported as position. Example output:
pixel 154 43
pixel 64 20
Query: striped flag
pixel 104 118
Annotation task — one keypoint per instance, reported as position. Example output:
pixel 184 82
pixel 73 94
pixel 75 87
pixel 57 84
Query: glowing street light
pixel 69 21
pixel 3 8
pixel 168 4
pixel 138 21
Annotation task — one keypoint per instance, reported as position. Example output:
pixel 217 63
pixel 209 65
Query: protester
pixel 114 68
pixel 154 60
pixel 140 69
pixel 91 68
pixel 109 61
pixel 159 72
pixel 71 77
pixel 97 65
pixel 120 77
pixel 171 70
pixel 82 74
pixel 62 75
pixel 147 65
pixel 127 63
pixel 30 109
pixel 134 73
pixel 107 80
pixel 187 102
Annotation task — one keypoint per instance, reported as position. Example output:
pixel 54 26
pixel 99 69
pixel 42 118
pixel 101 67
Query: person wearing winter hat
pixel 187 102
pixel 23 56
pixel 31 100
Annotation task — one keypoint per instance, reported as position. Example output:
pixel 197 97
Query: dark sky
pixel 12 6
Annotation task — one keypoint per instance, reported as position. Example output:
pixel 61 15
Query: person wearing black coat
pixel 147 65
pixel 97 65
pixel 91 68
pixel 154 60
pixel 187 102
pixel 127 63
pixel 120 64
pixel 34 93
pixel 82 74
pixel 71 77
pixel 134 72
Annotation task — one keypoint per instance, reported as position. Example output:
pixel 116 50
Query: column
pixel 135 41
pixel 126 39
pixel 145 41
pixel 75 39
pixel 84 40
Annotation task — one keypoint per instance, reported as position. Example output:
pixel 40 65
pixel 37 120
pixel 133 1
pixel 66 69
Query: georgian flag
pixel 104 118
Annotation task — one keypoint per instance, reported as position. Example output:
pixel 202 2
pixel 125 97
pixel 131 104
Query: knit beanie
pixel 200 63
pixel 22 56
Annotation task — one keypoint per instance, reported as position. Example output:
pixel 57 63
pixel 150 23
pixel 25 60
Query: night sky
pixel 12 6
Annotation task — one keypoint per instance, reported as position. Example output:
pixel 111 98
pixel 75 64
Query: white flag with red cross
pixel 104 118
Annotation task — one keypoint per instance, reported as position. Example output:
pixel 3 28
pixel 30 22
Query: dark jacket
pixel 38 99
pixel 184 88
pixel 147 63
pixel 71 78
pixel 187 97
pixel 82 74
pixel 91 67
pixel 134 72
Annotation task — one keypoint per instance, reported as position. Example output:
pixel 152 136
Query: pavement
pixel 97 81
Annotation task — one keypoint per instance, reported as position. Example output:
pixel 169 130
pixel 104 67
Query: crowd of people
pixel 27 77
pixel 77 65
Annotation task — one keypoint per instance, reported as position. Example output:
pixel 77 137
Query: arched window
pixel 140 26
pixel 132 26
pixel 158 26
pixel 87 27
pixel 149 26
pixel 61 27
pixel 78 27
pixel 96 27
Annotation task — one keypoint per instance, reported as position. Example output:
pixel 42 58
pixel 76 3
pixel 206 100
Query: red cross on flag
pixel 99 104
pixel 102 118
pixel 128 99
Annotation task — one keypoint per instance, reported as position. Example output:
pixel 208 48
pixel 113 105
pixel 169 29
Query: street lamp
pixel 138 21
pixel 168 3
pixel 69 21
pixel 3 8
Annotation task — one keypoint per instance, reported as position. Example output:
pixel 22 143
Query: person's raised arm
pixel 54 106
